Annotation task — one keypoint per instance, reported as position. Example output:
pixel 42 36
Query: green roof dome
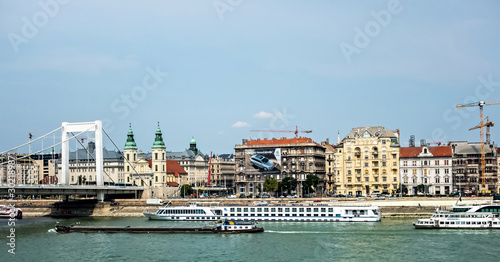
pixel 158 138
pixel 130 144
pixel 193 141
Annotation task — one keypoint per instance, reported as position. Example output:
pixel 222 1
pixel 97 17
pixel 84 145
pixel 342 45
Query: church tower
pixel 130 152
pixel 158 159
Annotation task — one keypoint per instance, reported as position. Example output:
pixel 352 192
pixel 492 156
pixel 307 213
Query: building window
pixel 437 179
pixel 156 168
pixel 128 168
pixel 446 171
pixel 436 162
pixel 447 180
pixel 128 157
pixel 414 163
pixel 384 179
pixel 446 162
pixel 367 179
pixel 395 179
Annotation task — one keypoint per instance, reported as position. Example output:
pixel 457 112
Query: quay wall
pixel 402 207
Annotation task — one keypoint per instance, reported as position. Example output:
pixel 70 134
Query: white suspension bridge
pixel 9 184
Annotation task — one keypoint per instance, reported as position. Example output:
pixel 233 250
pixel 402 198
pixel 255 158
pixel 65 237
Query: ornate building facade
pixel 256 160
pixel 366 162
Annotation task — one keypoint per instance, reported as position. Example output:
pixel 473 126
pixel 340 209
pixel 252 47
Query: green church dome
pixel 130 144
pixel 158 138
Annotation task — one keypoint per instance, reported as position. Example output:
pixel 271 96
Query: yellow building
pixel 367 162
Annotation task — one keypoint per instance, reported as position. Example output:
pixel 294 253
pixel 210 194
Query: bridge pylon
pixel 95 127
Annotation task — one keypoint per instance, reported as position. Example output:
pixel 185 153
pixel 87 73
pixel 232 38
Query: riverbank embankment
pixel 401 207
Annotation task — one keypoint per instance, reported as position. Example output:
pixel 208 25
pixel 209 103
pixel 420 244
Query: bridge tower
pixel 95 127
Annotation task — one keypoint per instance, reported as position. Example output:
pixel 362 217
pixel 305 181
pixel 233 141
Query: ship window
pixel 301 209
pixel 232 209
pixel 245 209
pixel 330 209
pixel 259 209
pixel 266 209
pixel 294 209
pixel 316 209
pixel 273 209
pixel 308 210
pixel 252 209
pixel 239 209
pixel 287 209
pixel 323 209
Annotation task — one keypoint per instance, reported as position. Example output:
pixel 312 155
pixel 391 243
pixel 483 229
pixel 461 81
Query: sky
pixel 217 69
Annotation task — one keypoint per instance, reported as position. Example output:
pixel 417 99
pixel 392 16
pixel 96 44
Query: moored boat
pixel 10 212
pixel 212 211
pixel 463 217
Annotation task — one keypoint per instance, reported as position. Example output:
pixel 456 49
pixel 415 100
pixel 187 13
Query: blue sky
pixel 215 70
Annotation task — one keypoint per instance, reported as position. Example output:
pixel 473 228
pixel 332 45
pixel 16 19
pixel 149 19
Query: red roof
pixel 150 161
pixel 173 167
pixel 436 151
pixel 282 141
pixel 172 184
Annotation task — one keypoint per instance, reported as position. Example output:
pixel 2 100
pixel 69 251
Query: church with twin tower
pixel 150 170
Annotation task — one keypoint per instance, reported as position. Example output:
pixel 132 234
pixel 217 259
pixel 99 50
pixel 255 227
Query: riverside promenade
pixel 401 207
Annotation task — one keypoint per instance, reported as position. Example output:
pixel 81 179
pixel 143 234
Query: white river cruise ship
pixel 463 217
pixel 211 211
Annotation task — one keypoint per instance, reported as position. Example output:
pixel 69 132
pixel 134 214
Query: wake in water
pixel 52 230
pixel 297 232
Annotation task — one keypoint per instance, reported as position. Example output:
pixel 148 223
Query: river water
pixel 389 240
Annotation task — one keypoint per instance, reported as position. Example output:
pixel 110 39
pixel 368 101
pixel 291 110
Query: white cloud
pixel 263 115
pixel 240 124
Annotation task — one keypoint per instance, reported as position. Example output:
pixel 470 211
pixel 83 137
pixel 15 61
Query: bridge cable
pixel 44 149
pixel 30 141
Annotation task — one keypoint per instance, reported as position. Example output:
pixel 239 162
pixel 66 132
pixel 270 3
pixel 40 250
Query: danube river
pixel 389 240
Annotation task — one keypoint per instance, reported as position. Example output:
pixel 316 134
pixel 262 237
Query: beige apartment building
pixel 366 162
pixel 222 171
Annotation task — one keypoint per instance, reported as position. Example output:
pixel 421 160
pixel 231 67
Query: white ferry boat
pixel 463 217
pixel 10 212
pixel 211 211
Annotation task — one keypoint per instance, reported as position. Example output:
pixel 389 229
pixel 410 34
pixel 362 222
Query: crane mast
pixel 481 126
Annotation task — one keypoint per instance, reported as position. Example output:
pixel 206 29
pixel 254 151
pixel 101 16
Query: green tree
pixel 309 186
pixel 186 190
pixel 288 184
pixel 421 188
pixel 271 185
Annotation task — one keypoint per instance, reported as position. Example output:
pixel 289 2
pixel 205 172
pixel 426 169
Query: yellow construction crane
pixel 481 126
